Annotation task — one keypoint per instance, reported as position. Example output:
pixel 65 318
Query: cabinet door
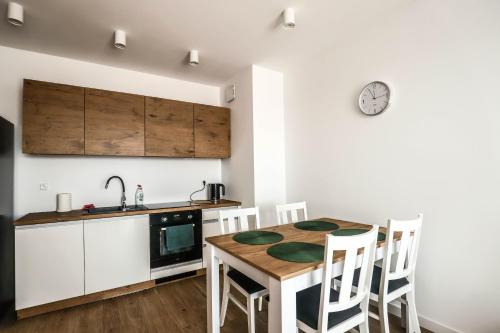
pixel 116 252
pixel 169 128
pixel 53 118
pixel 49 263
pixel 212 130
pixel 114 123
pixel 210 228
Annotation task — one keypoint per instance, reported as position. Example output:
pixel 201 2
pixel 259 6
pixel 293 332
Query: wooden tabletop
pixel 256 256
pixel 76 215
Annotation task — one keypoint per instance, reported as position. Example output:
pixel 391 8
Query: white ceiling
pixel 230 34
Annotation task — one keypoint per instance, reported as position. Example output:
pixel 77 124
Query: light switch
pixel 44 186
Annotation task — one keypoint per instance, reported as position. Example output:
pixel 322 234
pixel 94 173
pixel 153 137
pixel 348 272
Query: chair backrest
pixel 366 242
pixel 293 209
pixel 237 219
pixel 402 263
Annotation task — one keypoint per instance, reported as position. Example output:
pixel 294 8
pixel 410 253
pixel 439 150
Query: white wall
pixel 163 179
pixel 269 142
pixel 238 171
pixel 256 170
pixel 436 151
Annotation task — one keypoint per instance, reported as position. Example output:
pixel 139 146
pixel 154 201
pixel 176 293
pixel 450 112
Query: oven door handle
pixel 163 233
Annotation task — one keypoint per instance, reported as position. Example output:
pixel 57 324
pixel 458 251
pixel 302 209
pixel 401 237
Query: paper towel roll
pixel 63 202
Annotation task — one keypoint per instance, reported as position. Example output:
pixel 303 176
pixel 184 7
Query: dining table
pixel 283 278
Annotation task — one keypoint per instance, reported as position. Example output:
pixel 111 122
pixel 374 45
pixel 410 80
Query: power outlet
pixel 44 186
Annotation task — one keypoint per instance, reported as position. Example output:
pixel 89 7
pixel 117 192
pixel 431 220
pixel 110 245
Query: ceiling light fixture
pixel 15 14
pixel 289 18
pixel 120 39
pixel 194 58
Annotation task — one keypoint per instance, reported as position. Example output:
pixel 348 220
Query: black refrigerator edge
pixel 7 276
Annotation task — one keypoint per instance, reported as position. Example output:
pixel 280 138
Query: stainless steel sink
pixel 115 209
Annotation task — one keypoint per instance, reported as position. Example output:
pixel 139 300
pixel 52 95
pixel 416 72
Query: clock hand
pixel 371 93
pixel 379 96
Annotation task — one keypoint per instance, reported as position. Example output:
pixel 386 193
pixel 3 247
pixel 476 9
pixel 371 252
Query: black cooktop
pixel 170 205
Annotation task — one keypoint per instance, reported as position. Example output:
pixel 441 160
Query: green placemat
pixel 297 252
pixel 352 232
pixel 258 237
pixel 316 225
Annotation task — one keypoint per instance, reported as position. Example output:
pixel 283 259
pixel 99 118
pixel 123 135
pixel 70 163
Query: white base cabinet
pixel 49 263
pixel 116 252
pixel 57 261
pixel 211 227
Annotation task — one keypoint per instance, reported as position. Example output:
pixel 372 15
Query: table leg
pixel 282 311
pixel 213 324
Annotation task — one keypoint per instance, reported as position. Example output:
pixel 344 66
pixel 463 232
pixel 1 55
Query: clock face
pixel 374 98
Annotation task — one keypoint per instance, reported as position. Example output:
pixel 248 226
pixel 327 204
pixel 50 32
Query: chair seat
pixel 249 285
pixel 308 302
pixel 377 275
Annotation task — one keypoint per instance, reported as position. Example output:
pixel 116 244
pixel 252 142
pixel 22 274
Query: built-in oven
pixel 175 238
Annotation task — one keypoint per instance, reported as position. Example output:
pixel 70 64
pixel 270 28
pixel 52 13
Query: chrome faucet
pixel 123 199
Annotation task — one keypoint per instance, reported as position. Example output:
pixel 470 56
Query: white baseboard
pixel 424 322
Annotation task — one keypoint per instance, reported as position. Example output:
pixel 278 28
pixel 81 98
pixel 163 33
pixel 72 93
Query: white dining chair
pixel 237 220
pixel 289 213
pixel 395 280
pixel 323 309
pixel 397 275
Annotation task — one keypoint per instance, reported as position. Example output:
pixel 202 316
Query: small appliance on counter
pixel 63 202
pixel 214 192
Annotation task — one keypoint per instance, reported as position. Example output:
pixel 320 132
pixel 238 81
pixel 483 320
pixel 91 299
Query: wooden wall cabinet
pixel 53 118
pixel 114 123
pixel 169 128
pixel 69 120
pixel 212 131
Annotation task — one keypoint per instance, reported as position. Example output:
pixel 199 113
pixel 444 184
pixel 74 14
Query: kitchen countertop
pixel 75 215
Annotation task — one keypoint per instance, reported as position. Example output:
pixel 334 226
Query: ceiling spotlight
pixel 120 39
pixel 289 18
pixel 15 14
pixel 194 58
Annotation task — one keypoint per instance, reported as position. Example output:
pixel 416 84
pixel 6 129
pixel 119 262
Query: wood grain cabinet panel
pixel 68 120
pixel 212 131
pixel 53 118
pixel 169 128
pixel 114 123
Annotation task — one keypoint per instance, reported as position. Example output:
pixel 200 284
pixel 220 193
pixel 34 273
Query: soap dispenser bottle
pixel 139 196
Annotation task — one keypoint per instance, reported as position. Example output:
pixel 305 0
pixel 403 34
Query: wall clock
pixel 374 98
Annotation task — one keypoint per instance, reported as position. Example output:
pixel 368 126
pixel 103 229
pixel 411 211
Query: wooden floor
pixel 174 307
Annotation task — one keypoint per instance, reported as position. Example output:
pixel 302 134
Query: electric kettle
pixel 214 192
